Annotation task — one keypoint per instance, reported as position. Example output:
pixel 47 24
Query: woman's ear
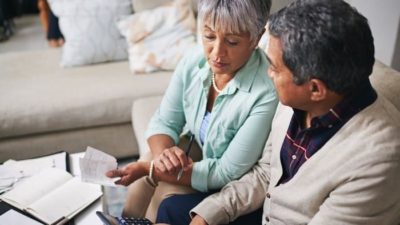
pixel 318 90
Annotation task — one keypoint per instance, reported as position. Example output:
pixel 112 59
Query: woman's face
pixel 225 52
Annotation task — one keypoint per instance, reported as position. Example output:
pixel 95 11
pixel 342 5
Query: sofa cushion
pixel 37 96
pixel 89 29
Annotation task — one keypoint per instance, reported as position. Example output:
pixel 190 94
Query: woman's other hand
pixel 129 173
pixel 172 160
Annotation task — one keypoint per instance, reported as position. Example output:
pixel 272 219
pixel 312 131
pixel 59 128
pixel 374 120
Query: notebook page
pixel 35 187
pixel 65 201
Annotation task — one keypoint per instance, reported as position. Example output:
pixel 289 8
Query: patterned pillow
pixel 89 29
pixel 159 37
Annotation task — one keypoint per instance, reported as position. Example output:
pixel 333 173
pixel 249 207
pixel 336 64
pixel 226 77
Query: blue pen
pixel 191 139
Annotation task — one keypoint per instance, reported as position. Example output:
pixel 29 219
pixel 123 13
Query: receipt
pixel 94 166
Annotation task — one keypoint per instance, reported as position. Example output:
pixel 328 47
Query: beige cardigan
pixel 353 179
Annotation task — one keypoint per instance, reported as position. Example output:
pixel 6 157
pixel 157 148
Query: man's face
pixel 290 94
pixel 226 53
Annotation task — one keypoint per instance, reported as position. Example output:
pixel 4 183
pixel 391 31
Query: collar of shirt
pixel 241 79
pixel 352 103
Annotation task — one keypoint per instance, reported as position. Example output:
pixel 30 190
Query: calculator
pixel 114 220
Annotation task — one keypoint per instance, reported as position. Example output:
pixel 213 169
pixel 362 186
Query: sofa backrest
pixel 386 82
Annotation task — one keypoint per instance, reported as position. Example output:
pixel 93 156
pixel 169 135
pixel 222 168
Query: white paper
pixel 30 167
pixel 94 166
pixel 74 163
pixel 14 217
pixel 8 176
pixel 12 172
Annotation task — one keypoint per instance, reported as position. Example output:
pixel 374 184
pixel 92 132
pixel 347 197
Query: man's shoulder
pixel 371 136
pixel 382 111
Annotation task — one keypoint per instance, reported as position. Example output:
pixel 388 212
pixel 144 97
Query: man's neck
pixel 321 108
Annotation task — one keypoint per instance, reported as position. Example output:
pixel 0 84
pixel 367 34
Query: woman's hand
pixel 198 220
pixel 129 173
pixel 171 160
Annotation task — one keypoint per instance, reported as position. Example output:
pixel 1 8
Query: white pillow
pixel 89 29
pixel 159 37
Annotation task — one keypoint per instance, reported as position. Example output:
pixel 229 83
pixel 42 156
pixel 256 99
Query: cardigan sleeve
pixel 238 197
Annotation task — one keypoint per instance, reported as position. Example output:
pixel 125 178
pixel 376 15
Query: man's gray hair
pixel 235 16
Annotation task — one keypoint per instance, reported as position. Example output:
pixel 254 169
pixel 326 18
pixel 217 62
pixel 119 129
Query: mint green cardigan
pixel 240 119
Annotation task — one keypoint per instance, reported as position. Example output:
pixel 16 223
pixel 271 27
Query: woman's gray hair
pixel 235 16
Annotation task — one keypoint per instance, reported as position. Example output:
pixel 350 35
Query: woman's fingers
pixel 183 159
pixel 114 173
pixel 171 160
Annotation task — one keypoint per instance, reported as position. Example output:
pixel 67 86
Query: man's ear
pixel 318 90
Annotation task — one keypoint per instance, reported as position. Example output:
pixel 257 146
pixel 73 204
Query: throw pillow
pixel 89 29
pixel 159 37
pixel 141 5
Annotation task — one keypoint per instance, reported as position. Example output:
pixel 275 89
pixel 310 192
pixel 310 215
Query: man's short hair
pixel 327 40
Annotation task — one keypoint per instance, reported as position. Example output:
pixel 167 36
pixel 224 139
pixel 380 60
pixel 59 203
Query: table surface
pixel 87 216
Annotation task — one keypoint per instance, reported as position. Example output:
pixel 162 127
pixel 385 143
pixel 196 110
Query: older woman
pixel 223 96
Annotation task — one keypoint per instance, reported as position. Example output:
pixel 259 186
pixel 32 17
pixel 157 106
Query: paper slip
pixel 94 166
pixel 14 217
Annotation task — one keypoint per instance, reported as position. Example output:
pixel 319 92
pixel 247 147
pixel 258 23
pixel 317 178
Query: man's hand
pixel 129 173
pixel 198 220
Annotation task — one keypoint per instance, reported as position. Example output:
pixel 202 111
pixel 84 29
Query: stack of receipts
pixel 94 166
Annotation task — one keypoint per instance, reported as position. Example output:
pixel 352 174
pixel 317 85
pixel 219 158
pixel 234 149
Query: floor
pixel 29 35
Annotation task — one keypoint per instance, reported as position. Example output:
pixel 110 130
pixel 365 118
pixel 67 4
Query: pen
pixel 187 154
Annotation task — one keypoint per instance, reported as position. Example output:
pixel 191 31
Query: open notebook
pixel 52 195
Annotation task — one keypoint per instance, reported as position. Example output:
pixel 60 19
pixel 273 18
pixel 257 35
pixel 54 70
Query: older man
pixel 333 154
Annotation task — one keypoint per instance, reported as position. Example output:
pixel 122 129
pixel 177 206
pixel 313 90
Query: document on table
pixel 94 166
pixel 14 217
pixel 29 167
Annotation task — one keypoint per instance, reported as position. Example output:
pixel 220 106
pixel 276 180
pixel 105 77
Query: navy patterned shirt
pixel 301 143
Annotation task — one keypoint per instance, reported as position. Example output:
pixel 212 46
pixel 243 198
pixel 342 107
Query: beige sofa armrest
pixel 142 111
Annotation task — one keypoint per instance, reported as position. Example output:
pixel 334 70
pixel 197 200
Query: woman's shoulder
pixel 194 58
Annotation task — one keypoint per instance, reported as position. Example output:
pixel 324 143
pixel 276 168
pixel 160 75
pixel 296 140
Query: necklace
pixel 215 85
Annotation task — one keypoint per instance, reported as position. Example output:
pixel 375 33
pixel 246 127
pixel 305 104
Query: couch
pixel 45 108
pixel 384 79
pixel 51 100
